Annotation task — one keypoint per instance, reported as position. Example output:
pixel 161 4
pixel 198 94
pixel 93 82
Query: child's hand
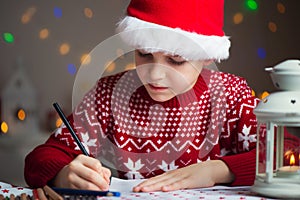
pixel 205 174
pixel 83 173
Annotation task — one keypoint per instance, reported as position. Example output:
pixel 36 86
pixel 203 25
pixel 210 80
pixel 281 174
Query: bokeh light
pixel 110 66
pixel 44 34
pixel 57 12
pixel 264 95
pixel 238 18
pixel 4 127
pixel 88 12
pixel 261 53
pixel 251 4
pixel 21 114
pixel 64 48
pixel 272 27
pixel 58 122
pixel 253 93
pixel 85 59
pixel 130 66
pixel 25 19
pixel 72 69
pixel 8 37
pixel 27 16
pixel 281 8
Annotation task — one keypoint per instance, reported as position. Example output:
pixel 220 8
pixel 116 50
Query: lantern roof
pixel 286 75
pixel 280 107
pixel 287 66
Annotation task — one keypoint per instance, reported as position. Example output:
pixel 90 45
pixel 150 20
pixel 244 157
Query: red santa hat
pixel 192 29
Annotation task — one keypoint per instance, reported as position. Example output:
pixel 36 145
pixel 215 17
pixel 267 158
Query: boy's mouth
pixel 157 87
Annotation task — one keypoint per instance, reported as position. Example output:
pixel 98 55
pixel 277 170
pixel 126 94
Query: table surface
pixel 217 192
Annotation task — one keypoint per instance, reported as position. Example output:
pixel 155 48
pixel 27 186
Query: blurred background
pixel 43 44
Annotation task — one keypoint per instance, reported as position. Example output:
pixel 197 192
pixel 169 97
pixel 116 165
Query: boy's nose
pixel 157 72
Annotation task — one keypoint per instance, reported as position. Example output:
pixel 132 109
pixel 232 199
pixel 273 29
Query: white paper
pixel 211 193
pixel 122 185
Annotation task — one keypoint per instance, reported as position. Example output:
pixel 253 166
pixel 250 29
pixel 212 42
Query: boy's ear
pixel 207 62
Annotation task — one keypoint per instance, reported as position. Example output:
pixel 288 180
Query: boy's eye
pixel 142 54
pixel 176 60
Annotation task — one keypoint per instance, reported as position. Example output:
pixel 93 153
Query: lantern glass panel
pixel 261 162
pixel 278 151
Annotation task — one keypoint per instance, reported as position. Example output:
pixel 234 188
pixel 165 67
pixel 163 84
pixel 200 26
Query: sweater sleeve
pixel 242 166
pixel 239 137
pixel 45 161
pixel 89 120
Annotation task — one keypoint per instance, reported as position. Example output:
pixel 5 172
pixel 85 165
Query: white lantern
pixel 278 135
pixel 19 104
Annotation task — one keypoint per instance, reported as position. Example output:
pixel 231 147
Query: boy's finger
pixel 107 174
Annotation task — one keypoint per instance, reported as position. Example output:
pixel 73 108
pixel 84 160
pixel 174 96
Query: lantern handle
pixel 269 69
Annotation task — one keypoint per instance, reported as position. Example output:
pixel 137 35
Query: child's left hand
pixel 205 174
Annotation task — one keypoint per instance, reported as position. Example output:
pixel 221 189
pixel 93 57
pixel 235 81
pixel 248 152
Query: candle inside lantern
pixel 291 170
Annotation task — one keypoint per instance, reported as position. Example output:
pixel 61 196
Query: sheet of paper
pixel 211 193
pixel 122 185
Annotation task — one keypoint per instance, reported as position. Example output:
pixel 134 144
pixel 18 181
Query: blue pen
pixel 76 192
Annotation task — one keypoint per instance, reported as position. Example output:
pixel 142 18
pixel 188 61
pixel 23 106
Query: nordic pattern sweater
pixel 119 123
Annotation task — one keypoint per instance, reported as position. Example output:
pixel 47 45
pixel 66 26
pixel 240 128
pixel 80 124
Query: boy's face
pixel 166 76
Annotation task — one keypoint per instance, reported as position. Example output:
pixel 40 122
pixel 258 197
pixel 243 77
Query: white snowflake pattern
pixel 86 142
pixel 86 139
pixel 58 131
pixel 167 167
pixel 224 152
pixel 246 138
pixel 133 169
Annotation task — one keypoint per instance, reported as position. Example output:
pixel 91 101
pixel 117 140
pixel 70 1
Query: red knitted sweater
pixel 137 137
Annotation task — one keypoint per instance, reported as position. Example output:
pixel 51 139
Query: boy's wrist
pixel 220 172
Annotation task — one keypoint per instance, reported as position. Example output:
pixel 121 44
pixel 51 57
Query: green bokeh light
pixel 251 4
pixel 8 37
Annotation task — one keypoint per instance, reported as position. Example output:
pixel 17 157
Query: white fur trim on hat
pixel 157 38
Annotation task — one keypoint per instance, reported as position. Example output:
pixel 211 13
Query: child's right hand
pixel 83 173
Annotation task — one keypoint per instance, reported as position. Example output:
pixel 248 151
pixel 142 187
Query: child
pixel 171 120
